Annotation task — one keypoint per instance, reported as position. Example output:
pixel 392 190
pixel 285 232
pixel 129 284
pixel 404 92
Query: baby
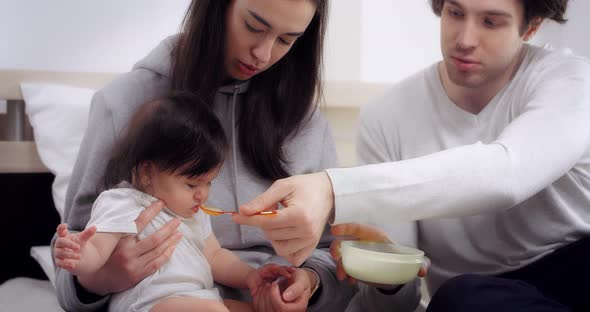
pixel 171 151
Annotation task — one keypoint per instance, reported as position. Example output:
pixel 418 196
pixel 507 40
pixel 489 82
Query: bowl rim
pixel 413 255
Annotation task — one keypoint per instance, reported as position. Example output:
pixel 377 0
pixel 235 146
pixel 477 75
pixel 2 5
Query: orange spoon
pixel 217 212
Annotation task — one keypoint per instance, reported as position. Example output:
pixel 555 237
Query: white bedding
pixel 27 294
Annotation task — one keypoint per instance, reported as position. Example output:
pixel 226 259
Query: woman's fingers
pixel 164 234
pixel 156 263
pixel 148 214
pixel 160 249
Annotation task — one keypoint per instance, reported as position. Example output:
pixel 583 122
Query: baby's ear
pixel 145 171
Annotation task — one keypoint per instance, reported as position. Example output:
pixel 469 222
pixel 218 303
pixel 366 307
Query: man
pixel 489 150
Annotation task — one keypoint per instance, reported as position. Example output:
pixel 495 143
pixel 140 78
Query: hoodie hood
pixel 159 61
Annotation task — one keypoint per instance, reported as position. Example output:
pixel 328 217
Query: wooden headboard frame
pixel 22 157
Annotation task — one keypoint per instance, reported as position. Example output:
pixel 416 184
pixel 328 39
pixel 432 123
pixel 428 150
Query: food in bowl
pixel 381 263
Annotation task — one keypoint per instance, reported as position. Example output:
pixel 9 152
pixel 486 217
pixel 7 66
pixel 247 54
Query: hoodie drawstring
pixel 234 154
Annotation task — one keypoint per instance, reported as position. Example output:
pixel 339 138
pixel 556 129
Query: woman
pixel 258 62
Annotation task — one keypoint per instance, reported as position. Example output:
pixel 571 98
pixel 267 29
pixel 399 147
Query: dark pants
pixel 557 282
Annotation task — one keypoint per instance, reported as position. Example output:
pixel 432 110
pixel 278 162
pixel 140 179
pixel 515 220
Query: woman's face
pixel 261 32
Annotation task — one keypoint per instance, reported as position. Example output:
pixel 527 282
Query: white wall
pixel 371 40
pixel 74 35
pixel 342 50
pixel 574 34
pixel 111 35
pixel 399 37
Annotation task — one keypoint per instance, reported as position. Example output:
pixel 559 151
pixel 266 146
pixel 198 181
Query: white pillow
pixel 59 116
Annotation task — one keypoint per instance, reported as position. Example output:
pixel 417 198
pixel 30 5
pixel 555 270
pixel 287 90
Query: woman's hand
pixel 291 294
pixel 296 230
pixel 361 232
pixel 134 259
pixel 268 273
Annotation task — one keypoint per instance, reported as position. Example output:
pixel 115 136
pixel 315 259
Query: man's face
pixel 481 40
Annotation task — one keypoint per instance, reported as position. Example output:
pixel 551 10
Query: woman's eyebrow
pixel 267 24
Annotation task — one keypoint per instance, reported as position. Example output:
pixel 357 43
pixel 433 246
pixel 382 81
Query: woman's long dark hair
pixel 178 133
pixel 279 99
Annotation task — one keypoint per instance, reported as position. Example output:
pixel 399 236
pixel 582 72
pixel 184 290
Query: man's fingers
pixel 293 248
pixel 156 239
pixel 148 214
pixel 282 233
pixel 268 200
pixel 340 273
pixel 360 231
pixel 424 267
pixel 85 235
pixel 298 257
pixel 335 250
pixel 276 221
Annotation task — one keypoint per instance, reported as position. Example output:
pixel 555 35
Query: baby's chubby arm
pixel 228 269
pixel 85 252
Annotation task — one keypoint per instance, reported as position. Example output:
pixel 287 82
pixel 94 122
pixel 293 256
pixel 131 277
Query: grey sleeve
pixel 370 299
pixel 333 294
pixel 82 191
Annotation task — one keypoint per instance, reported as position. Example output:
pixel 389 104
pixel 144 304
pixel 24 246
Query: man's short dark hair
pixel 549 9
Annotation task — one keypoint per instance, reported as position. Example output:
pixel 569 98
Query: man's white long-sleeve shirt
pixel 493 191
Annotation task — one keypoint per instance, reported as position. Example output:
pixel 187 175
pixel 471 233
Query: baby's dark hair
pixel 178 133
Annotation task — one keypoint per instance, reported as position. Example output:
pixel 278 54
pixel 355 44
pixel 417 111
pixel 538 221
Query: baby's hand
pixel 69 247
pixel 268 273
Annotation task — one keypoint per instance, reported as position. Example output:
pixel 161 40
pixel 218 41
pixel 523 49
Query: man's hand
pixel 361 232
pixel 296 230
pixel 133 259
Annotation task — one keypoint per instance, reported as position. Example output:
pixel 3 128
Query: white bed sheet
pixel 27 294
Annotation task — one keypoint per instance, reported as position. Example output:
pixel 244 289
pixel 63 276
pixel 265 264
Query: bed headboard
pixel 10 80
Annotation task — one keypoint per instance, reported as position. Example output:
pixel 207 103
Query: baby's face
pixel 181 194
